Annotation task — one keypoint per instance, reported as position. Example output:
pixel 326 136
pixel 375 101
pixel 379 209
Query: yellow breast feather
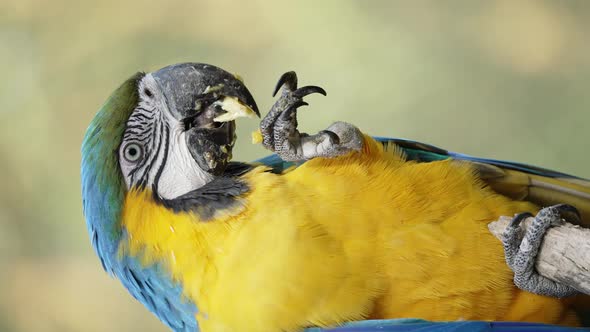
pixel 364 235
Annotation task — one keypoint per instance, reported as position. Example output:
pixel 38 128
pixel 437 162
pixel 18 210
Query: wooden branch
pixel 564 255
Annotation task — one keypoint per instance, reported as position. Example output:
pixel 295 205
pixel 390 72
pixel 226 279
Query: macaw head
pixel 170 131
pixel 166 134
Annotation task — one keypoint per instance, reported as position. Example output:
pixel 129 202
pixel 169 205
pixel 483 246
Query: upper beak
pixel 206 99
pixel 190 88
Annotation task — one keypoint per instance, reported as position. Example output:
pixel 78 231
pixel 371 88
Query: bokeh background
pixel 502 79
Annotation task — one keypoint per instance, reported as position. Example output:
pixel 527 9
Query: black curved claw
pixel 335 139
pixel 289 79
pixel 307 90
pixel 287 114
pixel 519 218
pixel 569 213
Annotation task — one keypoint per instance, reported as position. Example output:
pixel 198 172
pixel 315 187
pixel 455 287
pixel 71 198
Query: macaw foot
pixel 279 127
pixel 521 248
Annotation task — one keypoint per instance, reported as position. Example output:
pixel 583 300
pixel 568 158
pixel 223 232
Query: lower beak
pixel 212 148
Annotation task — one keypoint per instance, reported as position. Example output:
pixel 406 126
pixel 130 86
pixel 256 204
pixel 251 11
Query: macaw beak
pixel 207 100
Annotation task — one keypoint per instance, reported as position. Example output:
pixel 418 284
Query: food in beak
pixel 256 137
pixel 233 109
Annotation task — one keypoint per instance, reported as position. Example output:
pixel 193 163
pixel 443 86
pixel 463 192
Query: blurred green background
pixel 501 79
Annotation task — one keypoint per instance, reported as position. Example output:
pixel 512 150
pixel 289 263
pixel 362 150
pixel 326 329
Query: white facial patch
pixel 181 173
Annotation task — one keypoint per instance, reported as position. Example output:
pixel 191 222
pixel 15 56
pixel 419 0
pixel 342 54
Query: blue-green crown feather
pixel 103 186
pixel 103 194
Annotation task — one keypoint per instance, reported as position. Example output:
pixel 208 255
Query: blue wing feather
pixel 153 288
pixel 423 152
pixel 418 325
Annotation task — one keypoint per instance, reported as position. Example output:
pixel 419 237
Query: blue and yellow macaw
pixel 335 230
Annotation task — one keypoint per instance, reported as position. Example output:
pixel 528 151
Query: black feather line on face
pixel 166 136
pixel 157 134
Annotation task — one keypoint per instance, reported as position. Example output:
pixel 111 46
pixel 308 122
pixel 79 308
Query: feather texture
pixel 368 235
pixel 541 186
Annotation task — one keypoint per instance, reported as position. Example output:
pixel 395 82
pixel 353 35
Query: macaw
pixel 335 230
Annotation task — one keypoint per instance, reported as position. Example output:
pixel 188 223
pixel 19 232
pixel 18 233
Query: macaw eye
pixel 133 152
